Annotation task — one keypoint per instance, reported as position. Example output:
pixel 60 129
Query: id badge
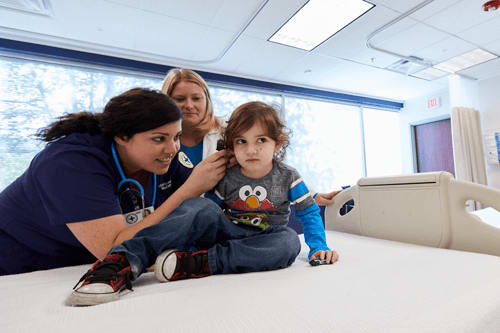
pixel 138 215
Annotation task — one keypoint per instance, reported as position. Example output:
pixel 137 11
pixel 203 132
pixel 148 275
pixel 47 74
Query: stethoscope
pixel 132 217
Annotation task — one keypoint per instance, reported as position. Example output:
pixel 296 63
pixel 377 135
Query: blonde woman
pixel 201 129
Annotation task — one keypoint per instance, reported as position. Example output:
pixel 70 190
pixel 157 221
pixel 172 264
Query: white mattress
pixel 377 286
pixel 489 216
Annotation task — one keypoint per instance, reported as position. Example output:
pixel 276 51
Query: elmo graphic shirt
pixel 265 201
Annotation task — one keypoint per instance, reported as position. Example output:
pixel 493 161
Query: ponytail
pixel 134 111
pixel 82 122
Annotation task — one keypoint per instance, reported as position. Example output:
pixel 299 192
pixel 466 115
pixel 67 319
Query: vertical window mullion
pixel 363 145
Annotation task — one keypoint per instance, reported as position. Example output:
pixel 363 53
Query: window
pixel 33 94
pixel 226 100
pixel 326 162
pixel 382 144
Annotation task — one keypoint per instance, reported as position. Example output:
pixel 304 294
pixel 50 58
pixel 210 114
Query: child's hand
pixel 329 256
pixel 325 199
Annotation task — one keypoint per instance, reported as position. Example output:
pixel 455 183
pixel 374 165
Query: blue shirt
pixel 73 179
pixel 194 153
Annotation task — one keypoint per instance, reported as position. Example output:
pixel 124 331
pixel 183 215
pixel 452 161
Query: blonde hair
pixel 176 75
pixel 246 115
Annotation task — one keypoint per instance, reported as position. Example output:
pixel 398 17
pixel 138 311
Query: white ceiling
pixel 230 37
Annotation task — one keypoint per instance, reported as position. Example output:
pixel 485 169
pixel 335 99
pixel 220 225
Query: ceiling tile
pixel 483 33
pixel 310 69
pixel 197 11
pixel 398 5
pixel 493 47
pixel 484 71
pixel 130 3
pixel 272 17
pixel 433 8
pixel 378 82
pixel 235 14
pixel 461 16
pixel 445 49
pixel 350 43
pixel 413 39
pixel 259 58
pixel 180 39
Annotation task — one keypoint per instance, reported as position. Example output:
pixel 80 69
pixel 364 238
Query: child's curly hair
pixel 246 115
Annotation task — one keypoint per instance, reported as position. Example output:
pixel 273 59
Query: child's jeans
pixel 232 248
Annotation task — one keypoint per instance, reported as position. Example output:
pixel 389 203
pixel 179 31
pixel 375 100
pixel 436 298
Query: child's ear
pixel 279 143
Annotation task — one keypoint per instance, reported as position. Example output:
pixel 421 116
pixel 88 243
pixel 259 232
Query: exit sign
pixel 433 103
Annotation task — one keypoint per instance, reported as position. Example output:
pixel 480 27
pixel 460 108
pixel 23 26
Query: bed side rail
pixel 469 232
pixel 349 222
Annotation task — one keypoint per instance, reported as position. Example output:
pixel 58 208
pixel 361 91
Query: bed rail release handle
pixel 486 237
pixel 349 222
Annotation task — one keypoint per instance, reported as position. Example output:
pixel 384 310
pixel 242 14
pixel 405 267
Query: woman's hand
pixel 325 199
pixel 329 256
pixel 208 173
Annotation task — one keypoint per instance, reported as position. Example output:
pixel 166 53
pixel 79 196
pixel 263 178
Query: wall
pixel 482 95
pixel 414 112
pixel 489 106
pixel 463 92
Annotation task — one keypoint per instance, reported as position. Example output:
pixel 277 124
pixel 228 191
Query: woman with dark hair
pixel 101 178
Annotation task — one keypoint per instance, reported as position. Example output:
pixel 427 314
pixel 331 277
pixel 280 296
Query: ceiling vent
pixel 407 67
pixel 41 7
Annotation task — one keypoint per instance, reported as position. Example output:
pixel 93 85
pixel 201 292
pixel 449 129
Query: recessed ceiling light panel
pixel 465 60
pixel 317 21
pixel 430 73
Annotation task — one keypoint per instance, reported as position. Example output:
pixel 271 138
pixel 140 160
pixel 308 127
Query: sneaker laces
pixel 191 264
pixel 105 271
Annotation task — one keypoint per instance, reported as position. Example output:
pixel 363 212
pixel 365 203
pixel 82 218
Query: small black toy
pixel 317 262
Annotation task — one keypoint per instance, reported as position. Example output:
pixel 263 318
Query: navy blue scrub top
pixel 73 179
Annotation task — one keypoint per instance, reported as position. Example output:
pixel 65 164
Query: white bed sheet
pixel 489 216
pixel 377 286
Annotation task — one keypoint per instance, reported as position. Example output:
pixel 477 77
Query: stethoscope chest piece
pixel 131 194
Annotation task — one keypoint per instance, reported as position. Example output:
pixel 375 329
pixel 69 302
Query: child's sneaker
pixel 103 282
pixel 177 265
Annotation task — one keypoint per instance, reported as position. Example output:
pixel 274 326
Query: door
pixel 433 146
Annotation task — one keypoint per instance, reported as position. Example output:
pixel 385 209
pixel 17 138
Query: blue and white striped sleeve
pixel 308 213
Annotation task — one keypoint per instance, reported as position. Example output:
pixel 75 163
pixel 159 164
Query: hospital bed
pixel 400 270
pixel 427 209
